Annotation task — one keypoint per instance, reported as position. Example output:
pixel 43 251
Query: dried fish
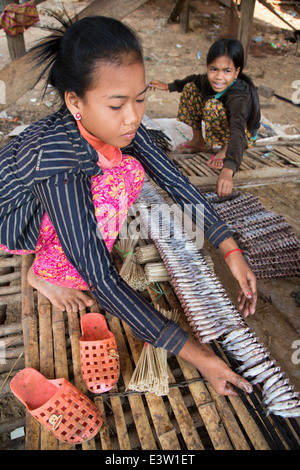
pixel 283 405
pixel 212 336
pixel 288 413
pixel 271 382
pixel 235 333
pixel 254 360
pixel 212 330
pixel 285 397
pixel 242 338
pixel 208 309
pixel 278 384
pixel 277 393
pixel 265 375
pixel 255 371
pixel 253 349
pixel 241 345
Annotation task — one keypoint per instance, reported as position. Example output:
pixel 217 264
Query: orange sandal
pixel 98 352
pixel 58 405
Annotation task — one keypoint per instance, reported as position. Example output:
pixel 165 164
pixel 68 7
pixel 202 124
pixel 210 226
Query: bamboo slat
pixel 259 166
pixel 143 428
pixel 162 424
pixel 30 334
pixel 48 441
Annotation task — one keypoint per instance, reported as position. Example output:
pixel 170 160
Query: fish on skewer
pixel 208 309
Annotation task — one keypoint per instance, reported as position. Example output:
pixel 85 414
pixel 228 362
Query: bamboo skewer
pixel 156 272
pixel 132 272
pixel 151 372
pixel 147 253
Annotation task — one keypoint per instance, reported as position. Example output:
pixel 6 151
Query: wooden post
pixel 184 17
pixel 245 26
pixel 16 45
pixel 176 11
pixel 233 22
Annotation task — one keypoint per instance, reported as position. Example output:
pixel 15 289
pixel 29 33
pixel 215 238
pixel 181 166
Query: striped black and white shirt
pixel 48 168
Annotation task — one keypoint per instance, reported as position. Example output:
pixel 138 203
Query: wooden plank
pixel 30 334
pixel 252 177
pixel 75 335
pixel 115 401
pixel 212 419
pixel 233 21
pixel 59 344
pixel 267 5
pixel 162 424
pixel 119 418
pixel 253 432
pixel 20 76
pixel 176 11
pixel 146 438
pixel 229 421
pixel 48 441
pixel 288 155
pixel 60 355
pixel 202 166
pixel 104 431
pixel 185 423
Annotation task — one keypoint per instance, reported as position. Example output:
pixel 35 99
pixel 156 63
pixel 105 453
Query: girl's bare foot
pixel 216 161
pixel 64 298
pixel 191 147
pixel 196 144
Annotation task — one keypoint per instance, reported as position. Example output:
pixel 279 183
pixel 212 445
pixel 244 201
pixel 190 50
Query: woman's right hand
pixel 157 85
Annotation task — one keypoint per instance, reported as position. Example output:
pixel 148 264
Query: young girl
pixel 64 179
pixel 226 101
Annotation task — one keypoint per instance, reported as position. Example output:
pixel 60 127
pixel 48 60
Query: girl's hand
pixel 224 183
pixel 157 85
pixel 221 377
pixel 248 294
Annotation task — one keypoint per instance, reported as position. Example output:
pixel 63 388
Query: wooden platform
pixel 260 166
pixel 191 417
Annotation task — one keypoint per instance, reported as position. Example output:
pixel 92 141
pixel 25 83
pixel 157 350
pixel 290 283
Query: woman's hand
pixel 238 266
pixel 224 182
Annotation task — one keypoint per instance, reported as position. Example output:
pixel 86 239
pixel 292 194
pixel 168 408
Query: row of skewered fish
pixel 269 242
pixel 210 312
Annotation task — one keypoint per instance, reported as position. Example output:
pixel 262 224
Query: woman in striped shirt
pixel 64 180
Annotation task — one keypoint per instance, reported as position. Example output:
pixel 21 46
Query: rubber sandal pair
pixel 60 406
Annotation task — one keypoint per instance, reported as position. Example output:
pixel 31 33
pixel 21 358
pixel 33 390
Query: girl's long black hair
pixel 73 53
pixel 233 48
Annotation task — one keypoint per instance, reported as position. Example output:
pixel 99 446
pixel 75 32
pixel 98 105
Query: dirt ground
pixel 170 54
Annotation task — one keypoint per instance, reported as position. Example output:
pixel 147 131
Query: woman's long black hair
pixel 233 48
pixel 72 54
